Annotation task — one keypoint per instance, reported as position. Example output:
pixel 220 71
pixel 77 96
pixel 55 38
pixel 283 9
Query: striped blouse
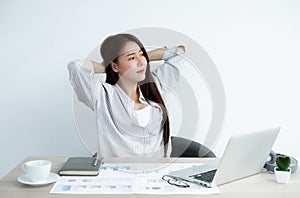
pixel 120 134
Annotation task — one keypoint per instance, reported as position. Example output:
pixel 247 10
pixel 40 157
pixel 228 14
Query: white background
pixel 254 44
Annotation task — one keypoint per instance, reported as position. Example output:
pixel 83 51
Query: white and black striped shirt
pixel 120 133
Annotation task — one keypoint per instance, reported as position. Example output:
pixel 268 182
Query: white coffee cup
pixel 37 170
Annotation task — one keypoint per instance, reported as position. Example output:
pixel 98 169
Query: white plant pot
pixel 282 177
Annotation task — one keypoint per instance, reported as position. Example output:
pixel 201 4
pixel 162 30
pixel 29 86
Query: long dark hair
pixel 110 51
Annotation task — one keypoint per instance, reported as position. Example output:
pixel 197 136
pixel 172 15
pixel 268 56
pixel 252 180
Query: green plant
pixel 283 162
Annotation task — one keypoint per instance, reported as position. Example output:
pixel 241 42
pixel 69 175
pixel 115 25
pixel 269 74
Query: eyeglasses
pixel 175 181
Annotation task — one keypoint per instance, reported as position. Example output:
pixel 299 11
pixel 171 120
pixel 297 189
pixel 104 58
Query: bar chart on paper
pixel 128 179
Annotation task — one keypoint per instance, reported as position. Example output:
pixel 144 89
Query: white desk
pixel 260 185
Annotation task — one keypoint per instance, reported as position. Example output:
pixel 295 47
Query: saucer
pixel 25 179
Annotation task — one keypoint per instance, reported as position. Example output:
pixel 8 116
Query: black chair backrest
pixel 182 147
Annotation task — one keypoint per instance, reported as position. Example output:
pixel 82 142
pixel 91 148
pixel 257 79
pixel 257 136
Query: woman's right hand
pixel 98 67
pixel 182 47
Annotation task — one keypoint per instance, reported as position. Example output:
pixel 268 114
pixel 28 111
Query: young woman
pixel 123 91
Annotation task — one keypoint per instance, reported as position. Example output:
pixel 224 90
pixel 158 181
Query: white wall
pixel 254 44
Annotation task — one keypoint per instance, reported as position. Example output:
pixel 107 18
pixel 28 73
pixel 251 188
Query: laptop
pixel 245 155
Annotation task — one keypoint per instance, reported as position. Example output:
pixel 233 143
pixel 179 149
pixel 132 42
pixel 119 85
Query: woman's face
pixel 131 63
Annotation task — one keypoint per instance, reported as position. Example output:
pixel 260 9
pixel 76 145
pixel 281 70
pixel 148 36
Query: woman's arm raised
pixel 157 54
pixel 168 73
pixel 84 75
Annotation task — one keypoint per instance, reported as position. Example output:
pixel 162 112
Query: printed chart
pixel 128 179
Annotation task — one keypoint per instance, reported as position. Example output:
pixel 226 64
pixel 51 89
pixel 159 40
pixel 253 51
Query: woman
pixel 131 115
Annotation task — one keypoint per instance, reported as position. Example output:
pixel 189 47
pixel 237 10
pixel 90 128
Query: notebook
pixel 244 155
pixel 81 166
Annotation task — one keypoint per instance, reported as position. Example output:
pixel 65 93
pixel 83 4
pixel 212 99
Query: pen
pixel 95 161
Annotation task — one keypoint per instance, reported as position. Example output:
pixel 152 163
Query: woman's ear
pixel 114 67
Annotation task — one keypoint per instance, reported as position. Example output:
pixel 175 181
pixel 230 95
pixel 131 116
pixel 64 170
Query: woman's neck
pixel 130 89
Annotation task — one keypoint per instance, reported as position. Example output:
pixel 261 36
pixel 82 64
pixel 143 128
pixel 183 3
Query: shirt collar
pixel 141 97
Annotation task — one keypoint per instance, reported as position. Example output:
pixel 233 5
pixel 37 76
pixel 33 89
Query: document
pixel 135 178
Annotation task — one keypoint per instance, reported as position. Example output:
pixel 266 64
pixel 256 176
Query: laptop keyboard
pixel 206 176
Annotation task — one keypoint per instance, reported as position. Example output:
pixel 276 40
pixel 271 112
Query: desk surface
pixel 260 185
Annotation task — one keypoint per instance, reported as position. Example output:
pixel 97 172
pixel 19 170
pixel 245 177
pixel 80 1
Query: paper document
pixel 136 178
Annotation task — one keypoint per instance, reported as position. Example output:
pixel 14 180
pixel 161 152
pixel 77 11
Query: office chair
pixel 182 147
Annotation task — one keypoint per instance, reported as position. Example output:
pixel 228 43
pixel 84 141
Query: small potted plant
pixel 282 169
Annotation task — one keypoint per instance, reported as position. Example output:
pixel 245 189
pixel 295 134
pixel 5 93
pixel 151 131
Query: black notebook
pixel 81 166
